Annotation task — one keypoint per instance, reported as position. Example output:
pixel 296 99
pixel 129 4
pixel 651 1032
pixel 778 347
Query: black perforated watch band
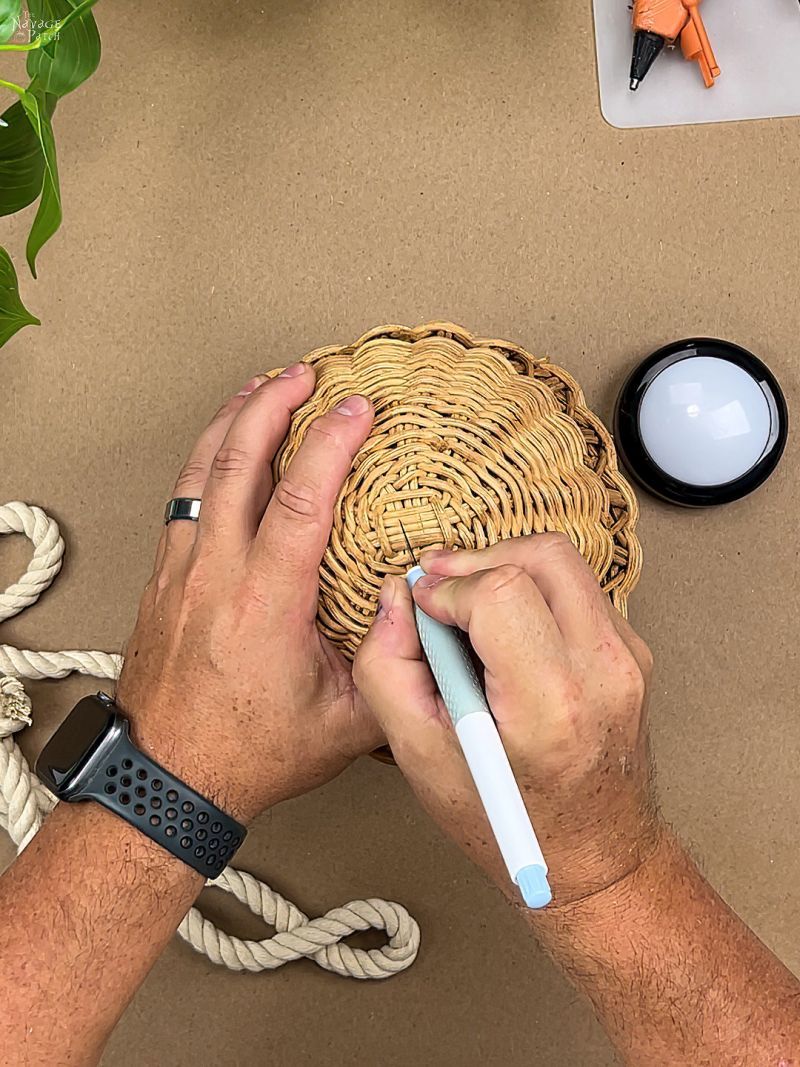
pixel 135 787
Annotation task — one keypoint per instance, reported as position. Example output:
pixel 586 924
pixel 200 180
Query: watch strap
pixel 164 808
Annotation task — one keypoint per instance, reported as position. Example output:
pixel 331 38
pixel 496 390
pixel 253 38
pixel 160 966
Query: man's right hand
pixel 566 678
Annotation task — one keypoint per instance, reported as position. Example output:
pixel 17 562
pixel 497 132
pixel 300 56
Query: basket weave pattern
pixel 474 441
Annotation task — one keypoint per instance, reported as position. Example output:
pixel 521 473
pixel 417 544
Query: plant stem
pixel 13 87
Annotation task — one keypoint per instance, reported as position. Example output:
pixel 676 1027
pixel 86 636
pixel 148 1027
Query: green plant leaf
pixel 10 11
pixel 13 313
pixel 38 107
pixel 21 160
pixel 61 64
pixel 53 32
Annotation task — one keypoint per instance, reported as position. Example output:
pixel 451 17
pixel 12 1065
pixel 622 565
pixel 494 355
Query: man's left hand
pixel 227 680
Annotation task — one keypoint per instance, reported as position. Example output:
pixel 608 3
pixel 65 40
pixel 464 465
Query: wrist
pixel 120 854
pixel 641 888
pixel 201 761
pixel 597 846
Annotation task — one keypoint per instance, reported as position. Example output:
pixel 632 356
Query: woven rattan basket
pixel 474 441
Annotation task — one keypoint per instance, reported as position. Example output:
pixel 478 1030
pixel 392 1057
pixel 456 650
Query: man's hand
pixel 675 977
pixel 228 684
pixel 227 680
pixel 566 678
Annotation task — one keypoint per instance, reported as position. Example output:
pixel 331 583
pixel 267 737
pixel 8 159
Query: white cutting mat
pixel 757 45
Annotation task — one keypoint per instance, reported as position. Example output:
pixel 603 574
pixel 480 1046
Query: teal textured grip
pixel 449 661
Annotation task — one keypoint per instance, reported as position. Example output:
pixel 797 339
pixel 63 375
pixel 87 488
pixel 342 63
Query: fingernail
pixel 385 597
pixel 294 371
pixel 252 385
pixel 428 581
pixel 354 405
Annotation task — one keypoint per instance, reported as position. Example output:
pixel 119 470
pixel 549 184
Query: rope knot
pixel 15 706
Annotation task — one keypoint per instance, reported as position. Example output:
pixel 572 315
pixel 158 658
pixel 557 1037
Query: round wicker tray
pixel 474 441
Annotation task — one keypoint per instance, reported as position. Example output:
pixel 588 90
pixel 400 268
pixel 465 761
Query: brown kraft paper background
pixel 244 184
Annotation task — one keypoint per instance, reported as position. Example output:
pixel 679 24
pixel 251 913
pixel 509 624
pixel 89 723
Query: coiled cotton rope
pixel 24 804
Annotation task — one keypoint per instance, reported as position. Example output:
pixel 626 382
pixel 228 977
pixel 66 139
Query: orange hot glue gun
pixel 660 22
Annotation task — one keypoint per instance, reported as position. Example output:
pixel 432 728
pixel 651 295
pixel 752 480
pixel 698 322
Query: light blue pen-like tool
pixel 483 750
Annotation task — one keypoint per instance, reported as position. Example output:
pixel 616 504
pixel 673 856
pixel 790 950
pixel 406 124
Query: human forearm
pixel 88 908
pixel 227 684
pixel 674 975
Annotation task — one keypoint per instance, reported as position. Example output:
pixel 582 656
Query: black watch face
pixel 73 742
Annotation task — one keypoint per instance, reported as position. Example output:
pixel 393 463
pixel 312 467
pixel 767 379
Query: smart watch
pixel 91 757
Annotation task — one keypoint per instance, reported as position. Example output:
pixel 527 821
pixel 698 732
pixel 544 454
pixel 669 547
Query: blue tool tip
pixel 533 885
pixel 414 576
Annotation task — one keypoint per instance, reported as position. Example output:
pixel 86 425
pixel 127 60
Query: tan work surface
pixel 242 186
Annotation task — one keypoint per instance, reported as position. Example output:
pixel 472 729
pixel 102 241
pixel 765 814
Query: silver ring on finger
pixel 182 507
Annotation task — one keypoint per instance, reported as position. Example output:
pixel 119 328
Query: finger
pixel 590 624
pixel 510 628
pixel 178 537
pixel 396 683
pixel 240 479
pixel 391 675
pixel 570 588
pixel 296 526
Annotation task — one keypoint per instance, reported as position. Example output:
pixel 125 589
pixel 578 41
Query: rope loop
pixel 298 937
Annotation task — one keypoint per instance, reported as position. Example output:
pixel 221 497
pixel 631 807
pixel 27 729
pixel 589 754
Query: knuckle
pixel 645 657
pixel 558 547
pixel 192 472
pixel 225 408
pixel 629 681
pixel 230 462
pixel 299 502
pixel 503 582
pixel 323 431
pixel 556 541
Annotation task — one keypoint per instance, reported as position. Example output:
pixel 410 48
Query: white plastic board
pixel 757 45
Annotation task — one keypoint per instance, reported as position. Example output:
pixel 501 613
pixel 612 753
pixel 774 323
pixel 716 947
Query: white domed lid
pixel 705 421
